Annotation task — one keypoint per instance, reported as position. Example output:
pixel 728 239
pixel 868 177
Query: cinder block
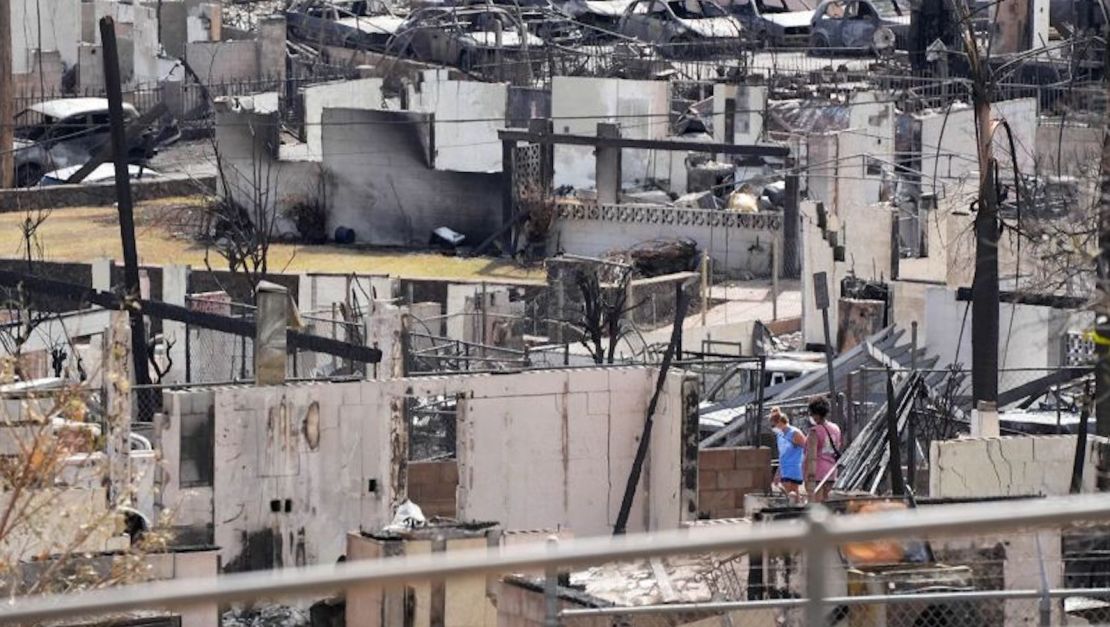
pixel 762 481
pixel 733 479
pixel 707 479
pixel 716 500
pixel 753 457
pixel 718 458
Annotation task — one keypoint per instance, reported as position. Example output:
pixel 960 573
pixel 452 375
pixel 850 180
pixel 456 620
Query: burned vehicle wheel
pixel 28 174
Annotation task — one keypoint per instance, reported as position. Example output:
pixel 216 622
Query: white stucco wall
pixel 147 68
pixel 845 168
pixel 245 128
pixel 224 61
pixel 1029 336
pixel 61 31
pixel 463 146
pixel 751 103
pixel 554 449
pixel 1011 466
pixel 641 108
pixel 739 245
pixel 865 231
pixel 948 146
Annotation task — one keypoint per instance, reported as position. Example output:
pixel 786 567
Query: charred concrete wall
pixel 380 185
pixel 297 467
pixel 252 172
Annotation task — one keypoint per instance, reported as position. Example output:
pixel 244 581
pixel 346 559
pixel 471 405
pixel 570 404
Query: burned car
pixel 469 38
pixel 775 22
pixel 683 28
pixel 360 25
pixel 61 133
pixel 605 15
pixel 871 26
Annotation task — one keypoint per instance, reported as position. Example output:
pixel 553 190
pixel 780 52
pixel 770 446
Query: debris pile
pixel 266 616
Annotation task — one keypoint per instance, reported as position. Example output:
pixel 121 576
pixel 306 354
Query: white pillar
pixel 984 421
pixel 102 274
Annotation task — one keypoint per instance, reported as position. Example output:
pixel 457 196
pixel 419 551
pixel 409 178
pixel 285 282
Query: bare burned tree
pixel 241 223
pixel 601 306
pixel 52 534
pixel 21 316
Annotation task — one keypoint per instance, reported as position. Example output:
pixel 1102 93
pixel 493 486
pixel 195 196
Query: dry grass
pixel 85 233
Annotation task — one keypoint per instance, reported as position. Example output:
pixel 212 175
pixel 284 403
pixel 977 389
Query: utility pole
pixel 123 195
pixel 1102 306
pixel 7 97
pixel 984 286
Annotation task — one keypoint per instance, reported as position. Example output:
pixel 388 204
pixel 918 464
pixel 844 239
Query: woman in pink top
pixel 822 451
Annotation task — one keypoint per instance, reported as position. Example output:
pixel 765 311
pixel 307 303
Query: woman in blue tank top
pixel 792 445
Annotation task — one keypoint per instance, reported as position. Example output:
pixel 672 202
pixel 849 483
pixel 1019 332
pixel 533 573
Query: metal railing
pixel 817 535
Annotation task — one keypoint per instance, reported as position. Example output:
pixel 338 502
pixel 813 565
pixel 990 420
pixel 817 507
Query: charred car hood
pixel 790 20
pixel 714 27
pixel 509 39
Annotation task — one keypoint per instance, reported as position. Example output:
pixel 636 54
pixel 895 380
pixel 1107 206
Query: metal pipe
pixel 551 588
pixel 818 563
pixel 962 519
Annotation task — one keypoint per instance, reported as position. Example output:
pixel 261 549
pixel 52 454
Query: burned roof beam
pixel 744 150
pixel 81 295
pixel 963 294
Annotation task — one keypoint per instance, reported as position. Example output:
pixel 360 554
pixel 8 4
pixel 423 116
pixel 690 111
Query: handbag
pixel 828 435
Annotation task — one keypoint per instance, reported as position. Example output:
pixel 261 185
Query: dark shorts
pixel 794 481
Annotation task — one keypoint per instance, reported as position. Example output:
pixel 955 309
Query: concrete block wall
pixel 738 244
pixel 726 475
pixel 432 486
pixel 1014 466
pixel 224 61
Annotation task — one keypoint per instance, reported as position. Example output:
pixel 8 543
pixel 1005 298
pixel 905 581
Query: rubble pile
pixel 266 616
